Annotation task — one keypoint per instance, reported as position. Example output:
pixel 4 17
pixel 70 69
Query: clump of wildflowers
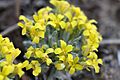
pixel 64 38
pixel 70 37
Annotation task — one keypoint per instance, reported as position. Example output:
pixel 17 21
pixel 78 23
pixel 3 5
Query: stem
pixel 93 74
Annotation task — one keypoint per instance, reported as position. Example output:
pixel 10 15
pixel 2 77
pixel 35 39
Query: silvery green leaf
pixel 62 76
pixel 66 36
pixel 76 40
pixel 54 37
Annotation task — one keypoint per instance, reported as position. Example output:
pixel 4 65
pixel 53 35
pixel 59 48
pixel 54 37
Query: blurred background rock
pixel 106 12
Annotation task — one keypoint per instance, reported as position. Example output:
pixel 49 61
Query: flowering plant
pixel 64 38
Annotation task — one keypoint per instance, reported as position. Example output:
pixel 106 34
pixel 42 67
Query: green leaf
pixel 66 36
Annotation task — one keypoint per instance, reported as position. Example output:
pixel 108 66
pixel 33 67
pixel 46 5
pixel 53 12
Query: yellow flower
pixel 56 20
pixel 62 6
pixel 33 52
pixel 7 69
pixel 8 51
pixel 18 68
pixel 62 55
pixel 58 51
pixel 59 66
pixel 69 63
pixel 78 14
pixel 42 14
pixel 36 71
pixel 94 61
pixel 72 23
pixel 1 77
pixel 76 10
pixel 30 50
pixel 48 61
pixel 35 65
pixel 39 53
pixel 12 54
pixel 69 59
pixel 44 55
pixel 4 49
pixel 37 32
pixel 6 46
pixel 49 50
pixel 74 64
pixel 64 48
pixel 27 24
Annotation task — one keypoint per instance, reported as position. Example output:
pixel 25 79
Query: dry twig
pixel 10 29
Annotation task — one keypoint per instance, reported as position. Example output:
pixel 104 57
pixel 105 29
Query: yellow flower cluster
pixel 65 19
pixel 40 54
pixel 94 61
pixel 82 39
pixel 66 60
pixel 35 29
pixel 35 65
pixel 92 41
pixel 7 56
pixel 61 19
